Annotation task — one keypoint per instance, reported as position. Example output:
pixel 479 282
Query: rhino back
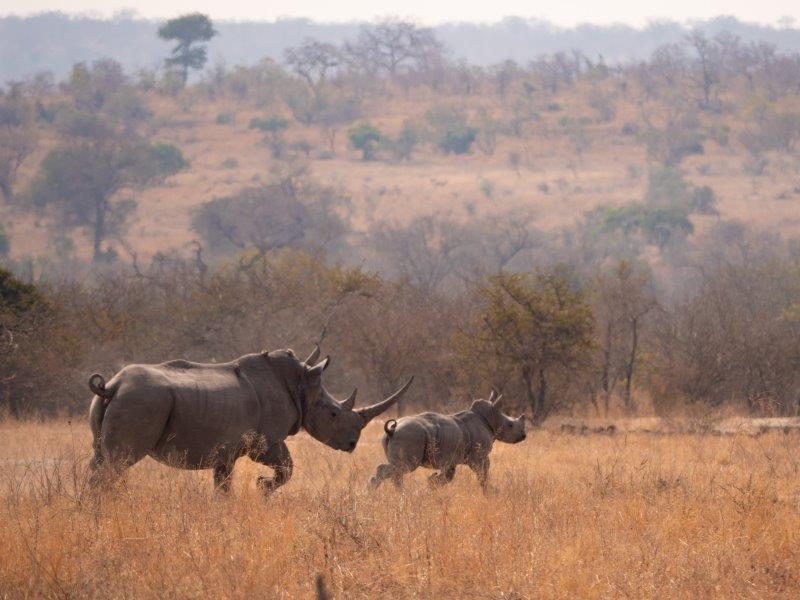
pixel 430 439
pixel 213 409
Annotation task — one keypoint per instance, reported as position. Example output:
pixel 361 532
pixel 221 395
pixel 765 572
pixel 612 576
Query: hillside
pixel 543 173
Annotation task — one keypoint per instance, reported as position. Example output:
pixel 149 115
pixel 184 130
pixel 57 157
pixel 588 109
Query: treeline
pixel 605 336
pixel 53 41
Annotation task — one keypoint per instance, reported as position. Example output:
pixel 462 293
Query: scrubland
pixel 636 515
pixel 594 241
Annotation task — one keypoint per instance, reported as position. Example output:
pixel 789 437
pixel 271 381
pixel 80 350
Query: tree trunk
pixel 8 194
pixel 544 409
pixel 99 228
pixel 631 363
pixel 605 377
pixel 529 395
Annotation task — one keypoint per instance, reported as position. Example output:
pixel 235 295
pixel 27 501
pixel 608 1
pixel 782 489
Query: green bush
pixel 168 158
pixel 364 137
pixel 703 201
pixel 270 124
pixel 451 131
pixel 458 141
pixel 18 297
pixel 405 142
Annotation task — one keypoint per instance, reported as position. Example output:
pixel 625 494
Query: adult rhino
pixel 200 416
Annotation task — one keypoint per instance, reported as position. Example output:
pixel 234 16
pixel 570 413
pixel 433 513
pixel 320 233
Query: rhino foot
pixel 268 484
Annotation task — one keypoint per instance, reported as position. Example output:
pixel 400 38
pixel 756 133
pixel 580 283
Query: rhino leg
pixel 481 469
pixel 278 458
pixel 443 477
pixel 129 428
pixel 222 477
pixel 387 472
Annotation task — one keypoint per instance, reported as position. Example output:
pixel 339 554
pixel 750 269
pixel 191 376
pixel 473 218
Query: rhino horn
pixel 349 402
pixel 312 358
pixel 314 374
pixel 370 412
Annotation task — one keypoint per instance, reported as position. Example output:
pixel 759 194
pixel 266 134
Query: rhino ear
pixel 314 374
pixel 312 358
pixel 497 402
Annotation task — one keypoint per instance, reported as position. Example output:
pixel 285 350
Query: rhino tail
pixel 390 426
pixel 97 384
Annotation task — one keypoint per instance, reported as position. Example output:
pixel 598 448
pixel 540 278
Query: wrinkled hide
pixel 437 441
pixel 198 416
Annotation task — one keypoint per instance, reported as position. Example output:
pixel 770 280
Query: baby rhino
pixel 442 442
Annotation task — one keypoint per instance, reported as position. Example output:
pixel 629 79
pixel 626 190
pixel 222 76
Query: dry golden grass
pixel 569 516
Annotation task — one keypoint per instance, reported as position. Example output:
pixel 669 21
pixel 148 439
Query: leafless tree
pixel 704 72
pixel 624 298
pixel 392 45
pixel 17 141
pixel 313 60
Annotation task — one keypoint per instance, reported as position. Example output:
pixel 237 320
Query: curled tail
pixel 97 412
pixel 98 386
pixel 390 426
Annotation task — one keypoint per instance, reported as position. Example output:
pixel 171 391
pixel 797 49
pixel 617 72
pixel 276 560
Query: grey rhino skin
pixel 442 442
pixel 200 416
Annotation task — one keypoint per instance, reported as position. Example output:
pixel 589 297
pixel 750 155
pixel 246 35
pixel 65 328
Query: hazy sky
pixel 563 12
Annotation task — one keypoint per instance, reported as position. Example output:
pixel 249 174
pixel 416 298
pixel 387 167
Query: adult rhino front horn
pixel 205 416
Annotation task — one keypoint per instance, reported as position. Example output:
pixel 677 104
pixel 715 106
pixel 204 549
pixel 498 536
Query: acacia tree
pixel 364 137
pixel 271 217
pixel 17 141
pixel 529 326
pixel 188 31
pixel 392 44
pixel 80 181
pixel 312 61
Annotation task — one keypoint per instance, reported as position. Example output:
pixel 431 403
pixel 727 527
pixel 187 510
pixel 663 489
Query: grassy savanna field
pixel 625 515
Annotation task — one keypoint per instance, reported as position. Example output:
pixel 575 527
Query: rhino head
pixel 506 429
pixel 336 423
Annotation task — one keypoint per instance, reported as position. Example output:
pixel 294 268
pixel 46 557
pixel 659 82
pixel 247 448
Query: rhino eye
pixel 333 414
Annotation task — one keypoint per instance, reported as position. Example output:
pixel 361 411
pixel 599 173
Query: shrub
pixel 450 130
pixel 270 124
pixel 273 128
pixel 302 146
pixel 364 137
pixel 405 142
pixel 168 158
pixel 458 141
pixel 225 118
pixel 703 201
